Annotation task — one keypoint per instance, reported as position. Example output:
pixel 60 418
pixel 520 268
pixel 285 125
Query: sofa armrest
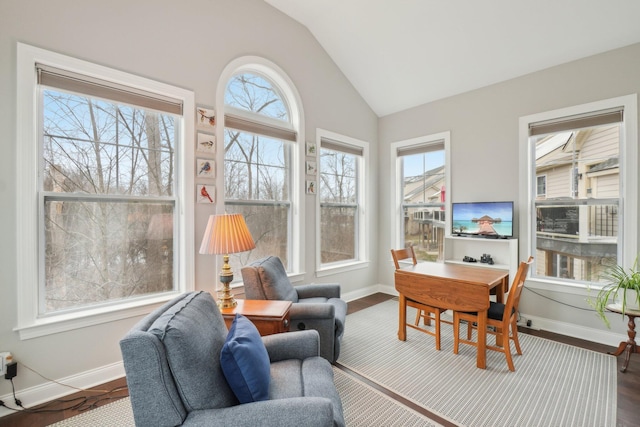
pixel 292 412
pixel 311 290
pixel 292 345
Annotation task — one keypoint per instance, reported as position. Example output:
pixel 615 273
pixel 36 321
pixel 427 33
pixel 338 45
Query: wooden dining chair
pixel 425 312
pixel 502 319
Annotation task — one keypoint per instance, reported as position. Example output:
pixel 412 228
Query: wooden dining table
pixel 452 287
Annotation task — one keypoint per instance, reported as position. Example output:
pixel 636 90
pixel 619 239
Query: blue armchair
pixel 174 373
pixel 315 306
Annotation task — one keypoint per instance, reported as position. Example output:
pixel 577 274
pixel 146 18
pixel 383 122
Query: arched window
pixel 260 161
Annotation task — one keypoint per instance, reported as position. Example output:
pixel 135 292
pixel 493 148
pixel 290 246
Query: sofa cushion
pixel 193 333
pixel 245 362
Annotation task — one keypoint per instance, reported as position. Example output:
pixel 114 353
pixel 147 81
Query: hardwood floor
pixel 628 386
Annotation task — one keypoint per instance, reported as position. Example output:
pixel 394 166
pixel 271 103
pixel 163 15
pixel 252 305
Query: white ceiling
pixel 402 53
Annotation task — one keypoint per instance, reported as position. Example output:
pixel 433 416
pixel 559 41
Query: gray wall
pixel 186 44
pixel 485 153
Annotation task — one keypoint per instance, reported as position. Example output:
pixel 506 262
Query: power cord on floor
pixel 83 403
pixel 556 301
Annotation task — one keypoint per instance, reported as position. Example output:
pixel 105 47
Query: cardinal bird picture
pixel 206 168
pixel 206 193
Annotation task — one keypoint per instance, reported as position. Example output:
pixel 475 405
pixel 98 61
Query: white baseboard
pixel 369 290
pixel 52 390
pixel 576 331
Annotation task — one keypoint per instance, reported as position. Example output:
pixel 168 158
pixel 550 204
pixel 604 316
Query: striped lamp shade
pixel 226 234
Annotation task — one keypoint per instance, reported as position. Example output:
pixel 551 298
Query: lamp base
pixel 225 298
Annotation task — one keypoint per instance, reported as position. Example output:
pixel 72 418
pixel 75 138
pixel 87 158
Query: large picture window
pixel 109 157
pixel 577 224
pixel 421 192
pixel 341 198
pixel 259 140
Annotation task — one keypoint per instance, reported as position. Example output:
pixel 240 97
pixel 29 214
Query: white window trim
pixel 396 196
pixel 29 323
pixel 364 217
pixel 629 188
pixel 256 64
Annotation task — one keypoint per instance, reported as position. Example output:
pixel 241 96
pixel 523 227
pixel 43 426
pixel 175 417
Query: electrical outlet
pixel 5 359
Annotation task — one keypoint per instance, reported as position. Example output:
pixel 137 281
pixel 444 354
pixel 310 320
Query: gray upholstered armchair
pixel 315 306
pixel 176 376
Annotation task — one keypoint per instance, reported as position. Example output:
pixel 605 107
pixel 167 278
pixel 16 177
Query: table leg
pixel 629 346
pixel 482 340
pixel 402 317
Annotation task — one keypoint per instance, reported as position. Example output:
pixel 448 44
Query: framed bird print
pixel 205 193
pixel 206 117
pixel 205 168
pixel 206 143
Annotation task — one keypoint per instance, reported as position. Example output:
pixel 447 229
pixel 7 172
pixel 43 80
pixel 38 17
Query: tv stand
pixel 503 251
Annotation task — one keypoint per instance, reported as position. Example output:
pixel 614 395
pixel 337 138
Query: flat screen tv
pixel 482 219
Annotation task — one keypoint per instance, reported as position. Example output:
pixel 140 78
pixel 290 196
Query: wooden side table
pixel 627 347
pixel 270 317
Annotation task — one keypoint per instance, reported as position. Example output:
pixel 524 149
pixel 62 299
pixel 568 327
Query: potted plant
pixel 622 287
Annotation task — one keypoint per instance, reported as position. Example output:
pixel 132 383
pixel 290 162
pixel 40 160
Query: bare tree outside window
pixel 107 192
pixel 338 206
pixel 257 169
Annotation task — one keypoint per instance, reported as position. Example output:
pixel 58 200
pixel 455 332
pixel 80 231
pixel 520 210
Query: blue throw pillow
pixel 245 361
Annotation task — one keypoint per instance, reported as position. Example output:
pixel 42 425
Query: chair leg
pixel 437 316
pixel 514 336
pixel 469 330
pixel 456 332
pixel 507 352
pixel 418 316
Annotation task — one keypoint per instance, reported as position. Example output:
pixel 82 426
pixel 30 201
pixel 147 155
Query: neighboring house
pixel 580 171
pixel 424 212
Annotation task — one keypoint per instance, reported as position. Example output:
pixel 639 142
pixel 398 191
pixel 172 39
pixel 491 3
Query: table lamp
pixel 226 234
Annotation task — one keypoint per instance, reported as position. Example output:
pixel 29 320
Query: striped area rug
pixel 554 384
pixel 363 406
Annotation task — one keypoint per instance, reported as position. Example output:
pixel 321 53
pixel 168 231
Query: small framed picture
pixel 311 149
pixel 205 168
pixel 311 167
pixel 311 187
pixel 206 143
pixel 205 193
pixel 206 117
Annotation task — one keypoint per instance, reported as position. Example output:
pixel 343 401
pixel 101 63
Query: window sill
pixel 328 270
pixel 69 321
pixel 560 286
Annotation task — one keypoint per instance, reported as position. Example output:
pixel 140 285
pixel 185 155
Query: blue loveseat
pixel 175 377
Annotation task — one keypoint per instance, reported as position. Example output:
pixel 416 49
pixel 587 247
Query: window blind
pixel 340 146
pixel 421 149
pixel 246 125
pixel 580 121
pixel 86 85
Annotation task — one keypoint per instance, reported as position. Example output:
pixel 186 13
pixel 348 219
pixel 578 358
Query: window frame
pixel 628 247
pixel 30 323
pixel 363 220
pixel 290 94
pixel 544 178
pixel 397 213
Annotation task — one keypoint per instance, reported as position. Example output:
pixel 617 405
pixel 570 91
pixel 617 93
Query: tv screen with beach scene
pixel 483 219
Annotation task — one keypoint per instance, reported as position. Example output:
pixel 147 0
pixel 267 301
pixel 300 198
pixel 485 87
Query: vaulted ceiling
pixel 402 53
